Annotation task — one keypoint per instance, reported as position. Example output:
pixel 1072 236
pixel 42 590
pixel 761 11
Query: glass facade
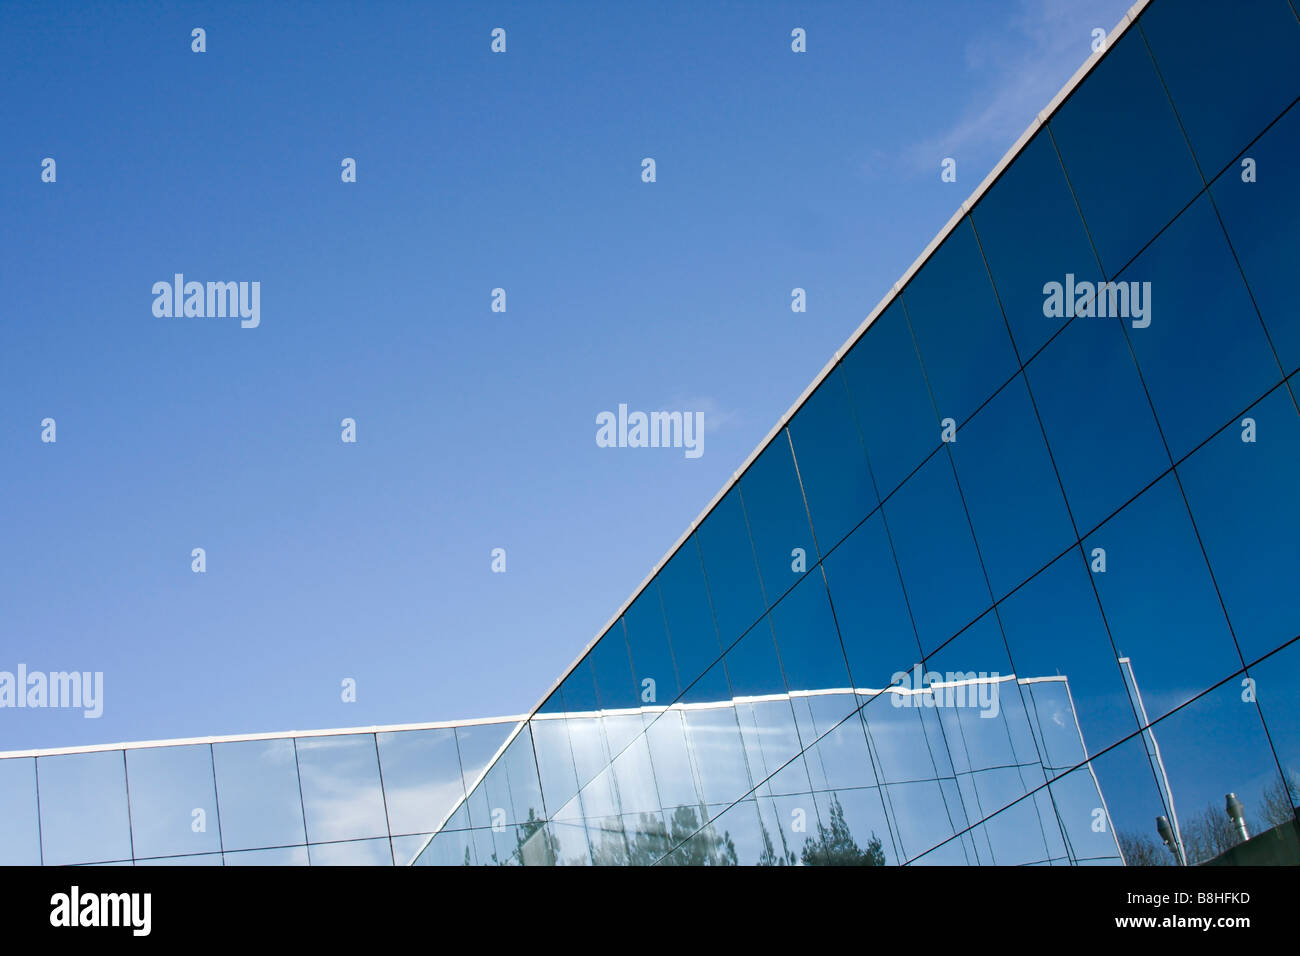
pixel 1016 583
pixel 344 797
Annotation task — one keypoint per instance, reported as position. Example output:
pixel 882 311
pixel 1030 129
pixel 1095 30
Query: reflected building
pixel 1014 583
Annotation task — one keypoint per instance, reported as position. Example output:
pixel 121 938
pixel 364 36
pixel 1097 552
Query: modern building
pixel 1065 443
pixel 1013 582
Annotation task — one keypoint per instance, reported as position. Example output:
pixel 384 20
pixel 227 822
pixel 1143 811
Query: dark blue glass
pixel 1159 600
pixel 1243 499
pixel 1100 429
pixel 1124 153
pixel 1276 679
pixel 807 639
pixel 691 630
pixel 1227 89
pixel 960 333
pixel 874 622
pixel 1053 626
pixel 940 568
pixel 1204 356
pixel 610 665
pixel 1260 218
pixel 889 392
pixel 579 689
pixel 1010 488
pixel 734 587
pixel 1031 234
pixel 832 463
pixel 647 640
pixel 753 665
pixel 778 518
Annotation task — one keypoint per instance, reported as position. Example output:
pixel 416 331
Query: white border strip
pixel 236 738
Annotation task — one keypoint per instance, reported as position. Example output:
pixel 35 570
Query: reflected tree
pixel 834 844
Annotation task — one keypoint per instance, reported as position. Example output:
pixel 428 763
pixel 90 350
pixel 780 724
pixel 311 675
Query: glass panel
pixel 353 853
pixel 173 801
pixel 512 785
pixel 279 856
pixel 930 530
pixel 778 519
pixel 559 779
pixel 832 462
pixel 197 859
pixel 84 817
pixel 1226 95
pixel 579 688
pixel 730 568
pixel 1156 594
pixel 807 640
pixel 1023 260
pixel 1157 589
pixel 421 777
pixel 1103 436
pixel 258 795
pixel 850 830
pixel 1203 768
pixel 478 743
pixel 670 755
pixel 770 735
pixel 405 847
pixel 960 333
pixel 652 658
pixel 19 828
pixel 892 399
pixel 719 754
pixel 1260 218
pixel 612 669
pixel 1204 357
pixel 635 779
pixel 1276 679
pixel 871 612
pixel 1131 180
pixel 340 787
pixel 685 597
pixel 1242 496
pixel 1053 626
pixel 1010 488
pixel 839 760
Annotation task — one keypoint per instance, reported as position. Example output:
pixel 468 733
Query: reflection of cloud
pixel 1027 61
pixel 716 417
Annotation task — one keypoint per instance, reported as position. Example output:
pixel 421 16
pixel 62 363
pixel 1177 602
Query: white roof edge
pixel 237 738
pixel 1053 105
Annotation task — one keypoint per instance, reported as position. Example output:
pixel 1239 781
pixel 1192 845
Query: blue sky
pixel 475 429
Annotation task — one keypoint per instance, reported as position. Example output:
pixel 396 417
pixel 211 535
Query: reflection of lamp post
pixel 1170 833
pixel 1167 834
pixel 1237 814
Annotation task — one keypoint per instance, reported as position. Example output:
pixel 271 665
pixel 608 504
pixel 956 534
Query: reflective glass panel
pixel 258 794
pixel 84 816
pixel 1131 179
pixel 173 800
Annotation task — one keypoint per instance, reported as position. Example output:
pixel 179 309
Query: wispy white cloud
pixel 1024 61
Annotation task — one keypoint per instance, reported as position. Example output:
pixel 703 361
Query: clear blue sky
pixel 475 429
